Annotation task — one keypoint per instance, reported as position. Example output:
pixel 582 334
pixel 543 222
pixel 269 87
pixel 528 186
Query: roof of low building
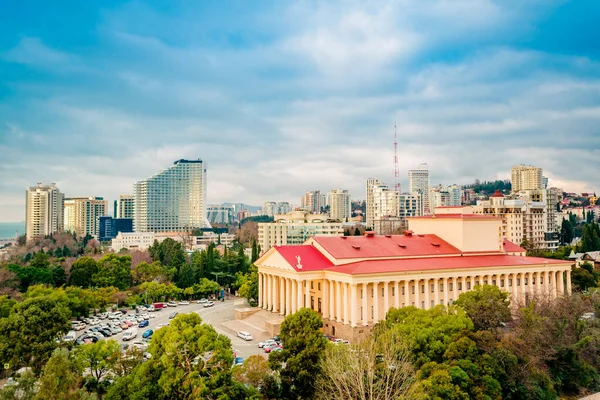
pixel 511 247
pixel 457 216
pixel 381 246
pixel 311 259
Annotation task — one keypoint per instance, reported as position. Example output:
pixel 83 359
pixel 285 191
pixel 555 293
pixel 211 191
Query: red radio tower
pixel 396 172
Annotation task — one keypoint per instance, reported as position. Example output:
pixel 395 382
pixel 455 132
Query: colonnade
pixel 365 302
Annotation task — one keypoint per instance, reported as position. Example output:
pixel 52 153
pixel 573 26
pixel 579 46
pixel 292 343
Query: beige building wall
pixel 43 210
pixel 81 214
pixel 339 205
pixel 526 177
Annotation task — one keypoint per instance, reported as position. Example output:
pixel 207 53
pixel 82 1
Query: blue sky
pixel 284 96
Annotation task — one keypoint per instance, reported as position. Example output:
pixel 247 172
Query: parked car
pixel 145 316
pixel 267 342
pixel 202 301
pixel 143 324
pixel 147 333
pixel 269 349
pixel 244 335
pixel 277 339
pixel 172 304
pixel 69 337
pixel 238 361
pixel 130 334
pixel 173 314
pixel 208 304
pixel 340 341
pixel 184 303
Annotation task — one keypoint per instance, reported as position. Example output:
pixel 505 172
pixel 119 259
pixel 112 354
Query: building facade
pixel 43 210
pixel 295 228
pixel 445 196
pixel 173 200
pixel 218 214
pixel 132 241
pixel 81 215
pixel 372 184
pixel 125 206
pixel 526 177
pixel 270 208
pixel 418 181
pixel 283 207
pixel 353 281
pixel 313 201
pixel 340 205
pixel 109 227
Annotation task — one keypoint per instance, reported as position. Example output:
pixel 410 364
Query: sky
pixel 279 97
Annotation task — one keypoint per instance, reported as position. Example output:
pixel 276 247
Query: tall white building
pixel 313 201
pixel 372 184
pixel 340 207
pixel 526 177
pixel 269 208
pixel 283 207
pixel 445 196
pixel 418 181
pixel 43 210
pixel 81 214
pixel 410 205
pixel 219 214
pixel 125 206
pixel 173 200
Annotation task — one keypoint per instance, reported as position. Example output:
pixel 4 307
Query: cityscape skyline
pixel 271 98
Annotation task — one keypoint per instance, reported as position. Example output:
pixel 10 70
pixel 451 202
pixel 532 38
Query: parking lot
pixel 215 315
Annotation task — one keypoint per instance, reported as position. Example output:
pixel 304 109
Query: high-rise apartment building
pixel 340 207
pixel 526 177
pixel 173 200
pixel 283 207
pixel 445 196
pixel 410 205
pixel 372 183
pixel 313 201
pixel 125 206
pixel 81 214
pixel 270 208
pixel 43 210
pixel 295 228
pixel 418 181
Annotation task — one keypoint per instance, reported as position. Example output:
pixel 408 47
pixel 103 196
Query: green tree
pixel 487 306
pixel 144 272
pixel 187 276
pixel 248 284
pixel 61 378
pixel 82 272
pixel 6 304
pixel 206 287
pixel 27 336
pixel 584 277
pixel 169 252
pixel 99 358
pixel 255 253
pixel 114 270
pixel 25 387
pixel 299 361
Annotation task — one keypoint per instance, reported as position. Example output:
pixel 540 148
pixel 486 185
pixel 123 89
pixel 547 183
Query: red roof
pixel 510 247
pixel 497 193
pixel 378 246
pixel 311 259
pixel 436 263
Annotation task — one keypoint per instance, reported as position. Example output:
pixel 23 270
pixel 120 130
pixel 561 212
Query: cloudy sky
pixel 279 97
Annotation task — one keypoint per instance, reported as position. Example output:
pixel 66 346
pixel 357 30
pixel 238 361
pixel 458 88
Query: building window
pixel 393 291
pixel 319 304
pixel 372 312
pixel 382 292
pixel 403 290
pixel 432 287
pixel 468 285
pixel 494 282
pixel 319 286
pixel 485 282
pixel 413 289
pixel 459 285
pixel 361 293
pixel 450 286
pixel 423 305
pixel 311 285
pixel 450 302
pixel 372 291
pixel 422 288
pixel 510 282
pixel 476 283
pixel 442 287
pixel 312 302
pixel 525 282
pixel 533 281
pixel 432 303
pixel 501 282
pixel 518 281
pixel 541 280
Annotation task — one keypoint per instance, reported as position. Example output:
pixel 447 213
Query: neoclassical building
pixel 353 280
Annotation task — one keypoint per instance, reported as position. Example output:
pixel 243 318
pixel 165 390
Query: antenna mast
pixel 396 171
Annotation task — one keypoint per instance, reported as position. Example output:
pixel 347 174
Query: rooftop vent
pixel 369 234
pixel 388 236
pixel 408 233
pixel 421 235
pixel 355 247
pixel 344 237
pixel 402 245
pixel 435 244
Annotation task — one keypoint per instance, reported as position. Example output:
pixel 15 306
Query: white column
pixel 561 283
pixel 445 280
pixel 464 284
pixel 307 294
pixel 375 302
pixel 386 298
pixel 288 297
pixel 331 300
pixel 281 284
pixel 346 300
pixel 454 289
pixel 407 293
pixel 300 293
pixel 275 293
pixel 436 291
pixel 417 293
pixel 396 295
pixel 269 294
pixel 325 304
pixel 568 273
pixel 365 313
pixel 353 305
pixel 260 290
pixel 338 301
pixel 427 294
pixel 294 285
pixel 513 289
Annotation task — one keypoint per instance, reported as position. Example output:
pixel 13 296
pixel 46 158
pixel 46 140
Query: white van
pixel 130 334
pixel 77 325
pixel 69 337
pixel 244 335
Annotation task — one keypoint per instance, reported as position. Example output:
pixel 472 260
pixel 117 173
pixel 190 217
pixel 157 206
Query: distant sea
pixel 8 229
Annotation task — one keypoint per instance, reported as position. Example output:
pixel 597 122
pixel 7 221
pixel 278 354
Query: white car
pixel 244 335
pixel 130 334
pixel 172 304
pixel 69 337
pixel 184 303
pixel 208 304
pixel 145 316
pixel 268 342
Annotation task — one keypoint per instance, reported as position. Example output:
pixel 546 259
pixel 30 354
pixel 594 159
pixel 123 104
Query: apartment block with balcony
pixel 81 215
pixel 43 210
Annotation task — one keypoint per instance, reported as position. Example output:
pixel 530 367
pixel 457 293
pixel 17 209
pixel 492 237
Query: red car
pixel 268 349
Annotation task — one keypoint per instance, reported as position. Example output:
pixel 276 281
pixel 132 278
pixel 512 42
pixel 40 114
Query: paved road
pixel 219 313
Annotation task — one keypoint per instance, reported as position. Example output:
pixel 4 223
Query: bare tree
pixel 372 370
